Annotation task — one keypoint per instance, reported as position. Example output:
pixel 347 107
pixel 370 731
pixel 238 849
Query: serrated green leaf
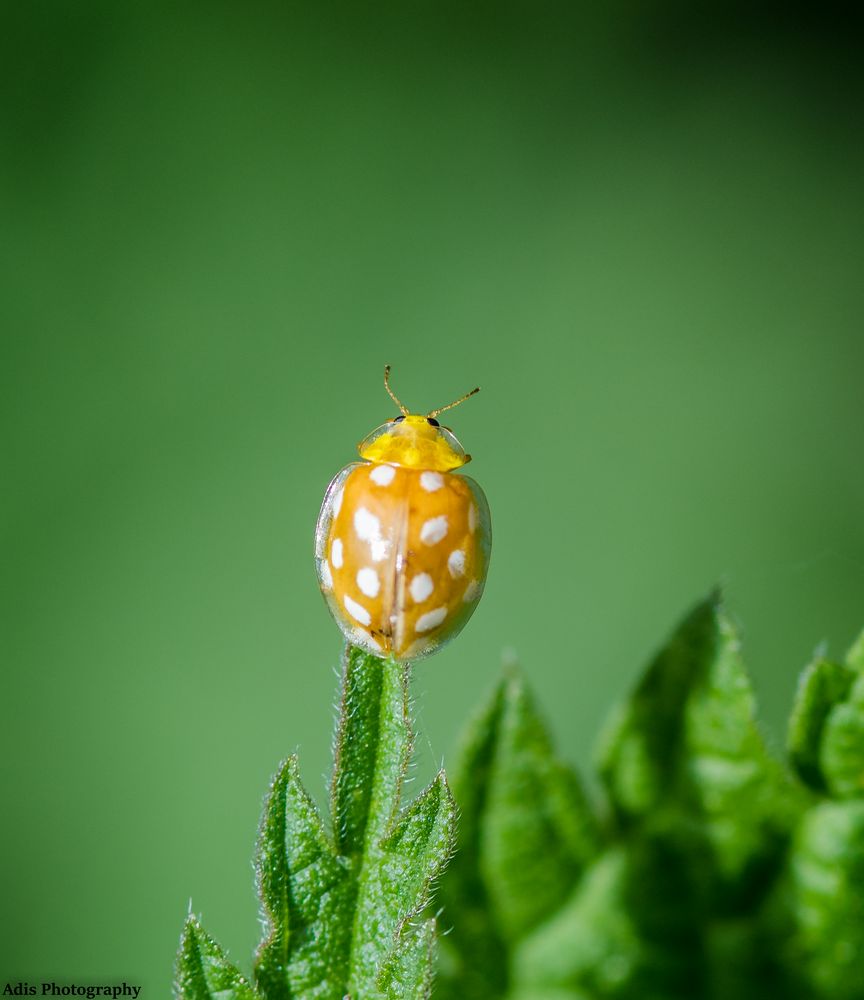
pixel 687 743
pixel 537 831
pixel 399 871
pixel 822 686
pixel 525 836
pixel 203 971
pixel 410 969
pixel 412 857
pixel 841 753
pixel 302 885
pixel 826 888
pixel 394 858
pixel 855 656
pixel 826 730
pixel 337 911
pixel 627 931
pixel 373 748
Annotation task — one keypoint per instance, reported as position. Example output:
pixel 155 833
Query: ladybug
pixel 402 543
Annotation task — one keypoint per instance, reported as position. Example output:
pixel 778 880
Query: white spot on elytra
pixel 356 610
pixel 368 529
pixel 456 563
pixel 434 529
pixel 336 553
pixel 368 582
pixel 430 620
pixel 431 481
pixel 326 575
pixel 337 502
pixel 471 591
pixel 382 475
pixel 367 525
pixel 421 587
pixel 472 518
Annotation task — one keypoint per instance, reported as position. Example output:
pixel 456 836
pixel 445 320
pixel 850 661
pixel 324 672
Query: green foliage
pixel 203 970
pixel 822 895
pixel 685 750
pixel 525 836
pixel 341 910
pixel 710 873
pixel 408 970
pixel 824 945
pixel 710 870
pixel 823 686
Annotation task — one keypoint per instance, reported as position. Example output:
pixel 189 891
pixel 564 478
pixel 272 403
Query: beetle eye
pixel 433 421
pixel 399 419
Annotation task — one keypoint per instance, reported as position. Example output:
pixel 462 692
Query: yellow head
pixel 413 440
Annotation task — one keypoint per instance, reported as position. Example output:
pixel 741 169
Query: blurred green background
pixel 639 229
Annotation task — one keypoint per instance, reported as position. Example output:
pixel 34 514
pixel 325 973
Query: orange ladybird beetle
pixel 402 544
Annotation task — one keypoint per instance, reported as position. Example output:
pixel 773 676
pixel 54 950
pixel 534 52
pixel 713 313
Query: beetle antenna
pixel 456 402
pixel 392 394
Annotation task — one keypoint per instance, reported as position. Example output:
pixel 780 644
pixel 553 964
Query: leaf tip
pixel 190 927
pixel 855 656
